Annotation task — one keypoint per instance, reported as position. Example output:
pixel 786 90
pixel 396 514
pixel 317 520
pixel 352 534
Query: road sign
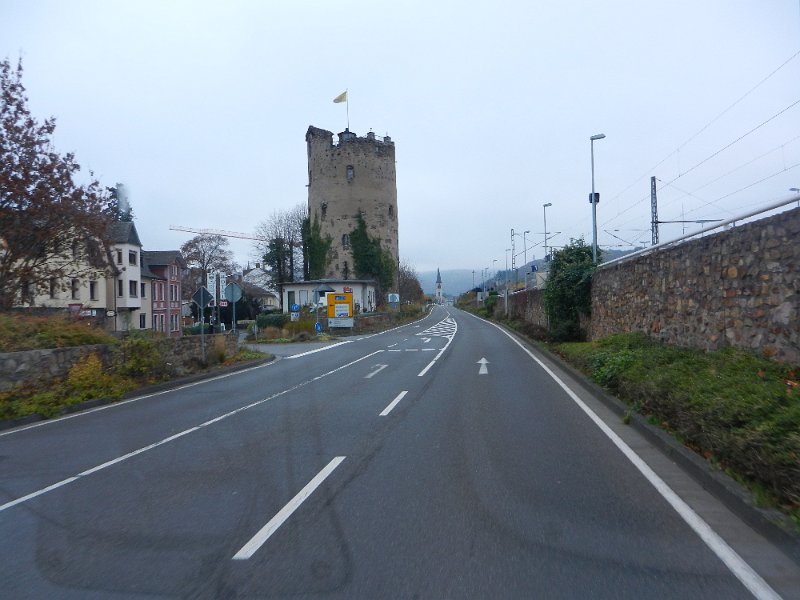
pixel 233 293
pixel 295 307
pixel 202 297
pixel 223 303
pixel 318 327
pixel 340 305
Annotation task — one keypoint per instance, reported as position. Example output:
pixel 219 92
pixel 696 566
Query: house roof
pixel 163 257
pixel 123 232
pixel 146 272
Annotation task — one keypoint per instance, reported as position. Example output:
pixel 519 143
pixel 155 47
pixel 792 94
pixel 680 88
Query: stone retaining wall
pixel 38 367
pixel 739 287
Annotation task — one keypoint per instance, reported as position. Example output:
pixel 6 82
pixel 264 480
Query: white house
pixel 302 292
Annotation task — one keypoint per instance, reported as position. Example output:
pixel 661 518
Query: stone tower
pixel 355 175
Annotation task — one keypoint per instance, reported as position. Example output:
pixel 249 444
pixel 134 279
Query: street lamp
pixel 544 208
pixel 594 199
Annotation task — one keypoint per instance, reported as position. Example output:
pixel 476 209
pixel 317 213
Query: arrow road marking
pixel 484 369
pixel 376 371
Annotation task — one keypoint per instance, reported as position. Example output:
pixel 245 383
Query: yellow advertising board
pixel 340 306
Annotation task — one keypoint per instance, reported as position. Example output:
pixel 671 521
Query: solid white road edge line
pixel 119 459
pixel 735 563
pixel 275 522
pixel 393 403
pixel 319 350
pixel 83 413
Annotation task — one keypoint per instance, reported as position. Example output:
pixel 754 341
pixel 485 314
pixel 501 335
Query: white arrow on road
pixel 483 370
pixel 376 371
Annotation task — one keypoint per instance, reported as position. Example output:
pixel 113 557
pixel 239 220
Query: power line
pixel 702 129
pixel 737 140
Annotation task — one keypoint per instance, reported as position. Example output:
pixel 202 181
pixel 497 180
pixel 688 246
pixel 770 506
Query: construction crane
pixel 233 234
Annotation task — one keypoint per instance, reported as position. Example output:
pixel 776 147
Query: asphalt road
pixel 442 459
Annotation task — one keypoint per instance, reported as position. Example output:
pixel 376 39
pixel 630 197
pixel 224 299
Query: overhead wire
pixel 700 131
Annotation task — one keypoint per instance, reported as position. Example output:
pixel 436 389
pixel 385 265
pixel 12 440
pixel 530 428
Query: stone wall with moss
pixel 36 368
pixel 739 287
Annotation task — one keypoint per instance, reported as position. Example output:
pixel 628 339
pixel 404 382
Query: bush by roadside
pixel 738 410
pixel 20 332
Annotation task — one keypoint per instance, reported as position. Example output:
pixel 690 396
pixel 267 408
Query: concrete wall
pixel 740 287
pixel 38 367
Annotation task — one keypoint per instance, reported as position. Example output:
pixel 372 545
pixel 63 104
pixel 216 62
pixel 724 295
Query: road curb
pixel 770 523
pixel 142 391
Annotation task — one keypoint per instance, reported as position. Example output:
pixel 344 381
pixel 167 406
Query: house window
pixel 74 288
pixel 144 289
pixel 92 290
pixel 132 258
pixel 174 270
pixel 119 258
pixel 120 293
pixel 75 249
pixel 142 321
pixel 162 323
pixel 53 284
pixel 173 292
pixel 350 173
pixel 26 292
pixel 133 289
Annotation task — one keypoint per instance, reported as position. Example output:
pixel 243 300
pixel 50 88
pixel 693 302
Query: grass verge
pixel 740 411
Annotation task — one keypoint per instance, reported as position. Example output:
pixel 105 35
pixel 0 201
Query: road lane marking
pixel 376 371
pixel 449 338
pixel 398 350
pixel 412 349
pixel 119 459
pixel 735 563
pixel 484 370
pixel 323 349
pixel 275 522
pixel 428 350
pixel 393 403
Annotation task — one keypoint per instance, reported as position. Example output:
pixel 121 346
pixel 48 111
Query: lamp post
pixel 796 190
pixel 494 260
pixel 594 200
pixel 544 208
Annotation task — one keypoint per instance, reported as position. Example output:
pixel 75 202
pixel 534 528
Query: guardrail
pixel 701 231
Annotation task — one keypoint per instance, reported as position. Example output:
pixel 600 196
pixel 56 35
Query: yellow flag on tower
pixel 341 97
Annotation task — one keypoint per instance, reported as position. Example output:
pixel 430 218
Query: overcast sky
pixel 201 109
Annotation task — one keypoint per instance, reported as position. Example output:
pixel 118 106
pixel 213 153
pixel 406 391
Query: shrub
pixel 274 320
pixel 88 379
pixel 141 359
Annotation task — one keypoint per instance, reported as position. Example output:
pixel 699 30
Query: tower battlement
pixel 355 175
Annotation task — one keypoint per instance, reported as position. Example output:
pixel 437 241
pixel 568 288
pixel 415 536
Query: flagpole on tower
pixel 343 98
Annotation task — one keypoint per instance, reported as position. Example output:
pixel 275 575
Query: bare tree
pixel 282 248
pixel 51 229
pixel 203 253
pixel 409 286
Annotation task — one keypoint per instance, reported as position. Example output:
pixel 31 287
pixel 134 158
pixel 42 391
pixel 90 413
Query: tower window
pixel 345 241
pixel 324 207
pixel 350 173
pixel 391 210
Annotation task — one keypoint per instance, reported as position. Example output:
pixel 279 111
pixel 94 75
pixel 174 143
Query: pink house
pixel 163 268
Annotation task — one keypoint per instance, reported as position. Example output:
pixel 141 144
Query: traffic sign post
pixel 202 297
pixel 233 293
